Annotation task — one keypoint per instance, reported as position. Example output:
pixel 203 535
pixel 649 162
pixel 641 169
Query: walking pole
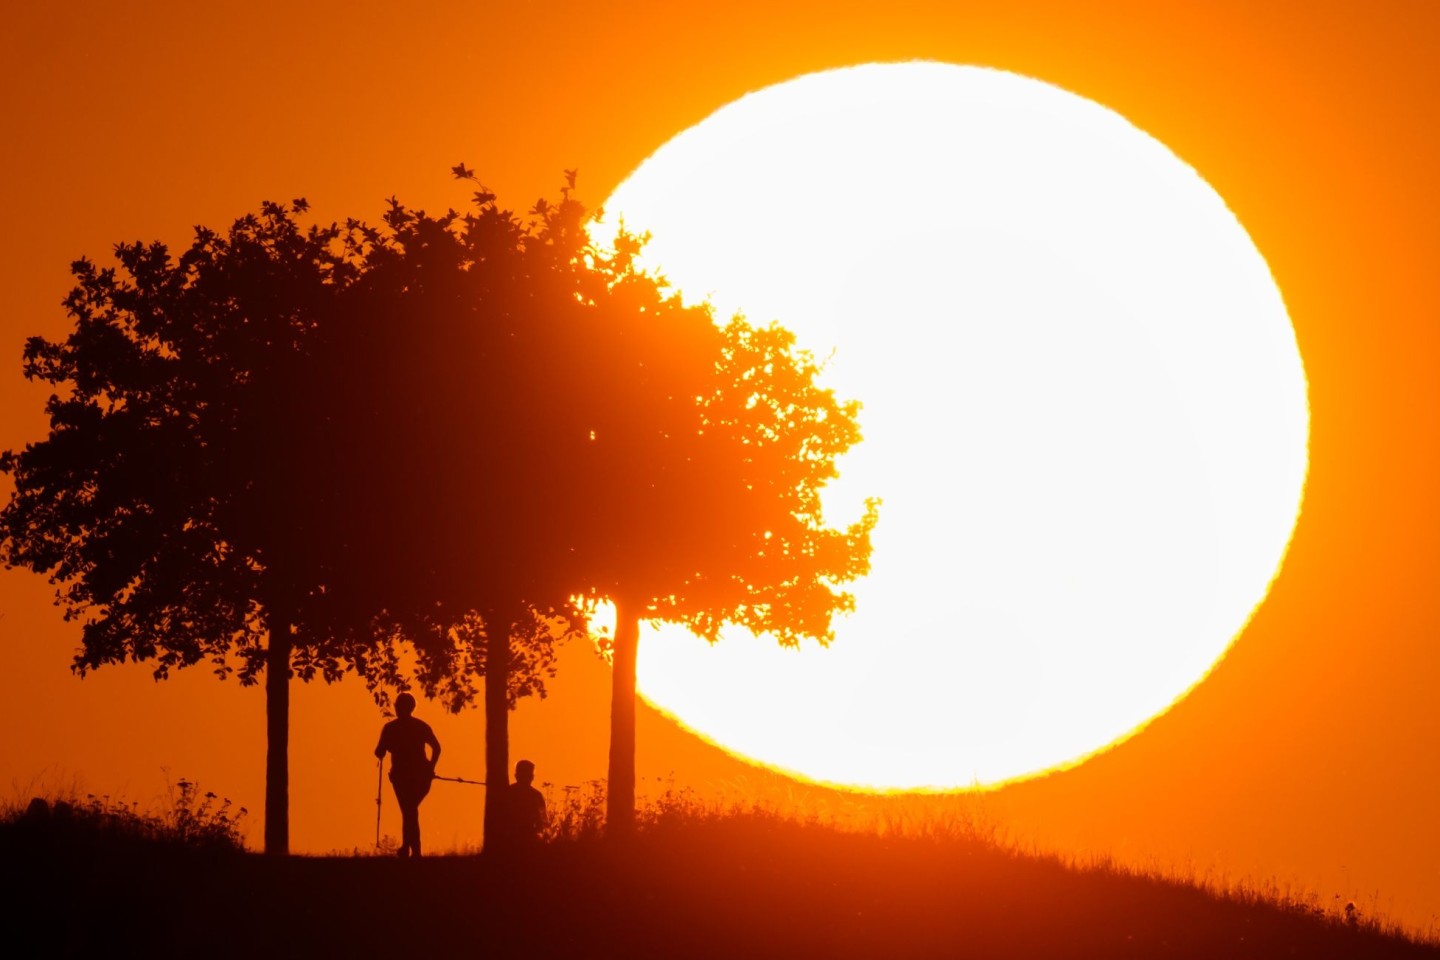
pixel 379 792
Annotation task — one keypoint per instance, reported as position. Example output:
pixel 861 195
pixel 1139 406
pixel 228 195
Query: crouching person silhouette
pixel 525 807
pixel 411 772
pixel 520 820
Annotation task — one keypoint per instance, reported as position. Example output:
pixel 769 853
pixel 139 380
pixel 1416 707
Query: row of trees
pixel 420 452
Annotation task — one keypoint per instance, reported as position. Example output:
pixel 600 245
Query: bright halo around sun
pixel 1084 410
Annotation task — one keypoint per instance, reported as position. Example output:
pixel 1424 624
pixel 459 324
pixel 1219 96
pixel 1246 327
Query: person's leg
pixel 422 787
pixel 408 794
pixel 410 827
pixel 405 800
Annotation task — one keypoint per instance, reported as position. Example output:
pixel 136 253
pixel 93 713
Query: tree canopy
pixel 201 497
pixel 163 502
pixel 447 406
pixel 310 449
pixel 551 421
pixel 705 494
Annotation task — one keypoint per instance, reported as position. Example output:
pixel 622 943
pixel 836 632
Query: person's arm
pixel 380 747
pixel 434 742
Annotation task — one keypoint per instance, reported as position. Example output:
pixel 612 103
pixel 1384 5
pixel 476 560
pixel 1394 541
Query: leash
pixel 380 791
pixel 473 783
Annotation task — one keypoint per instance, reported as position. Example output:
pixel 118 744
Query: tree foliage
pixel 206 495
pixel 163 504
pixel 706 499
pixel 266 419
pixel 412 447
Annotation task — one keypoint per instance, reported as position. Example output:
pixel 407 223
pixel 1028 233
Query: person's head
pixel 524 772
pixel 404 705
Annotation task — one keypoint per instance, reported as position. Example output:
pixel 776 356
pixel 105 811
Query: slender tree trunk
pixel 620 789
pixel 277 737
pixel 497 724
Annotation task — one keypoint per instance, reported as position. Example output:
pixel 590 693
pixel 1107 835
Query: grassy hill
pixel 101 880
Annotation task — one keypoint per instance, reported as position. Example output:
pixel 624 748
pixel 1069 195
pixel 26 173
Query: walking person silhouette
pixel 411 772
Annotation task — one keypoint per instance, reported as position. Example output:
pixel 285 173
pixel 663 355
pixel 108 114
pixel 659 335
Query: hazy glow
pixel 1084 409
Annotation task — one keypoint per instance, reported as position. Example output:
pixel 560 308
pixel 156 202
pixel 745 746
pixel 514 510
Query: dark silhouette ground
pixel 739 886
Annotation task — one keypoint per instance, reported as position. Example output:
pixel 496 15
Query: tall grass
pixel 578 812
pixel 771 872
pixel 187 819
pixel 958 821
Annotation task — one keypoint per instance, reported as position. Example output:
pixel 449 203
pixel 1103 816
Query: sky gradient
pixel 1308 757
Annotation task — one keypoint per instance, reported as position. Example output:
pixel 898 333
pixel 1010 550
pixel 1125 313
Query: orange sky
pixel 1308 756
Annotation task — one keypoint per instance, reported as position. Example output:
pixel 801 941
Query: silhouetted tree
pixel 446 407
pixel 705 479
pixel 168 503
pixel 303 450
pixel 600 438
pixel 199 498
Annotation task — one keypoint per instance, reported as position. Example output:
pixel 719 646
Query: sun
pixel 1084 410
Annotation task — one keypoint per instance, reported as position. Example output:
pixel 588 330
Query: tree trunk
pixel 620 789
pixel 497 724
pixel 277 737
